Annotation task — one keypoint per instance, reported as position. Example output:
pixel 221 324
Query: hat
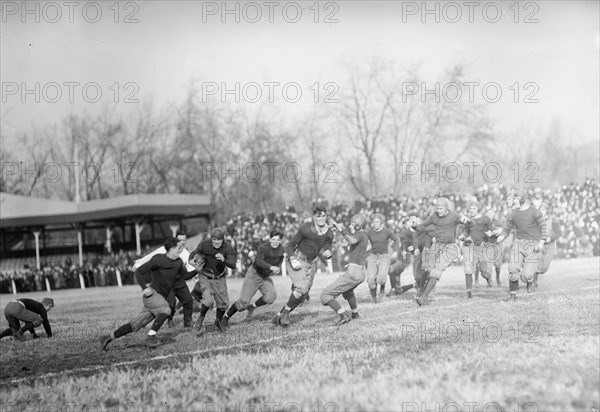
pixel 48 302
pixel 217 233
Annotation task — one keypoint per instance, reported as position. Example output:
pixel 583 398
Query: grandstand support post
pixel 47 284
pixel 80 248
pixel 139 227
pixel 329 266
pixel 14 286
pixel 81 281
pixel 174 228
pixel 109 233
pixel 36 234
pixel 119 282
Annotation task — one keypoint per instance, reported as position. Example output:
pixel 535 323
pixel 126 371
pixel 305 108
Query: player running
pixel 355 272
pixel 269 257
pixel 379 261
pixel 445 249
pixel 180 289
pixel 311 239
pixel 553 230
pixel 476 225
pixel 527 247
pixel 164 270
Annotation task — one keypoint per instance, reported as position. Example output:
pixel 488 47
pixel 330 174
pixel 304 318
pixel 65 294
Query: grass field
pixel 539 354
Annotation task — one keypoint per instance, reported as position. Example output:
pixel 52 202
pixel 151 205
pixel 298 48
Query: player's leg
pixel 445 256
pixel 358 274
pixel 332 291
pixel 182 292
pixel 160 309
pixel 530 265
pixel 173 305
pixel 267 289
pixel 138 322
pixel 394 274
pixel 469 268
pixel 252 282
pixel 208 299
pixel 221 300
pixel 372 268
pixel 514 268
pixel 382 274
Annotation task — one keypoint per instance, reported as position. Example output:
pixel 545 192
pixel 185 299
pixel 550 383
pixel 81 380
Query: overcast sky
pixel 173 42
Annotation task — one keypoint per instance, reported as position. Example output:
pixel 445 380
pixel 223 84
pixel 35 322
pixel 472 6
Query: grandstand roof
pixel 17 210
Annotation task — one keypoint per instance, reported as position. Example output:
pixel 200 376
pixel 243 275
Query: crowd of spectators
pixel 574 205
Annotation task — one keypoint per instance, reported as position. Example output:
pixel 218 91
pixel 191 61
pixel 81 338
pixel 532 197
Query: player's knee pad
pixel 326 297
pixel 270 297
pixel 514 275
pixel 299 291
pixel 435 274
pixel 241 305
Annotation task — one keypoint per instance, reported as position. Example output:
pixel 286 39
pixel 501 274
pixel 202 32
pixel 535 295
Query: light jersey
pixel 185 256
pixel 357 253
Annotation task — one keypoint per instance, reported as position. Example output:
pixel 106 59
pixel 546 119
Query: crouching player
pixel 269 257
pixel 355 273
pixel 526 250
pixel 30 311
pixel 165 270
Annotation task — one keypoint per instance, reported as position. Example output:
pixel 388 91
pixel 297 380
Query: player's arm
pixel 503 233
pixel 395 239
pixel 422 226
pixel 187 274
pixel 45 322
pixel 291 246
pixel 541 221
pixel 146 259
pixel 230 257
pixel 259 261
pixel 326 249
pixel 144 273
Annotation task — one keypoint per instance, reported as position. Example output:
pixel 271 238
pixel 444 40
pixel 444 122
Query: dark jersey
pixel 36 307
pixel 266 257
pixel 445 226
pixel 530 224
pixel 357 253
pixel 477 227
pixel 423 238
pixel 164 272
pixel 309 242
pixel 213 265
pixel 380 240
pixel 406 239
